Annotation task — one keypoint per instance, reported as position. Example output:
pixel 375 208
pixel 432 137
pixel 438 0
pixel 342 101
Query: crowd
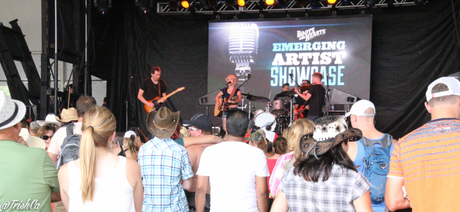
pixel 74 162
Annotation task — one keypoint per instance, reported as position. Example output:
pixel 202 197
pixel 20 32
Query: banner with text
pixel 272 53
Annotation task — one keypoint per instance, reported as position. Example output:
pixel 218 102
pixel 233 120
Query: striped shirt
pixel 163 164
pixel 429 161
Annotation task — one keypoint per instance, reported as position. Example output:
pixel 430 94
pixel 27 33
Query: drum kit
pixel 277 114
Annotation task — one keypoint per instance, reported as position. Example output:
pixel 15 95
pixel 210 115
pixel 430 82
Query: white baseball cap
pixel 360 107
pixel 129 133
pixel 452 84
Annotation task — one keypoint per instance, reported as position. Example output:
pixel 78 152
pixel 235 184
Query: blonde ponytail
pixel 133 148
pixel 87 164
pixel 98 126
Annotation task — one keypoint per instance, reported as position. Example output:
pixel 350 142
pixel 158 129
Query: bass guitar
pixel 156 102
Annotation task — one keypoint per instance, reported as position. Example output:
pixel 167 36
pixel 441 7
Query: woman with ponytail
pixel 87 184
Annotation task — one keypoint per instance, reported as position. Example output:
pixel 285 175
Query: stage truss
pixel 280 6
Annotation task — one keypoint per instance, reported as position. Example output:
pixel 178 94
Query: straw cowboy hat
pixel 68 115
pixel 162 123
pixel 329 132
pixel 12 111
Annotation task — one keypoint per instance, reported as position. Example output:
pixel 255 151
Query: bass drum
pixel 265 120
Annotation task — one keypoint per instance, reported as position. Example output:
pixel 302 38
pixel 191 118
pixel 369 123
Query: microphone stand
pixel 291 111
pixel 328 102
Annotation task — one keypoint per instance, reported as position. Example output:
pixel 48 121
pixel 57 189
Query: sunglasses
pixel 45 137
pixel 192 128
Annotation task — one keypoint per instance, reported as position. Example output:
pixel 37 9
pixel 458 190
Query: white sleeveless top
pixel 111 193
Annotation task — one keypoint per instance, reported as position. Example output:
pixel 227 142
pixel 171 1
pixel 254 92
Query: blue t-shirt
pixel 359 163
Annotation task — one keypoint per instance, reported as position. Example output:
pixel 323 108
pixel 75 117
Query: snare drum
pixel 265 119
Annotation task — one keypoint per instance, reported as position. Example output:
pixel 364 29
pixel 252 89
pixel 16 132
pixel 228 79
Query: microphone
pixel 290 75
pixel 243 43
pixel 249 76
pixel 228 83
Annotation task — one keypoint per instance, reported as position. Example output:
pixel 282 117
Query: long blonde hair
pixel 299 128
pixel 99 124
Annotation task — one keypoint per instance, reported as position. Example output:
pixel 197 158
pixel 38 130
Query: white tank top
pixel 111 193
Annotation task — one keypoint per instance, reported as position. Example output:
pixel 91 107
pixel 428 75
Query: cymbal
pixel 257 98
pixel 287 93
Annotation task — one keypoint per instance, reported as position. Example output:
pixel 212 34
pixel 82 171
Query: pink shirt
pixel 283 164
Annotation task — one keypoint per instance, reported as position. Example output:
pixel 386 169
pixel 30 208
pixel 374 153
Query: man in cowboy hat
pixel 29 180
pixel 164 163
pixel 238 182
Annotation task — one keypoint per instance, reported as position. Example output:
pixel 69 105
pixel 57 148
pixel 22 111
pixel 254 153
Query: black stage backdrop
pixel 411 47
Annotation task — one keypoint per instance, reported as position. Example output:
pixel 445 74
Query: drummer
pixel 283 89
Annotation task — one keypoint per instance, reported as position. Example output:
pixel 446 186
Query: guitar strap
pixel 232 94
pixel 159 88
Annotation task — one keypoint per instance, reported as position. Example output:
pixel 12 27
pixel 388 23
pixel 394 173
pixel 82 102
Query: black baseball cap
pixel 200 121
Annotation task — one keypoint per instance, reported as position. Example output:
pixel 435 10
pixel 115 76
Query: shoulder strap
pixel 386 141
pixel 69 129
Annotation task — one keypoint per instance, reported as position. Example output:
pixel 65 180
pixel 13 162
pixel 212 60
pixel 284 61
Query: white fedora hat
pixel 11 111
pixel 50 118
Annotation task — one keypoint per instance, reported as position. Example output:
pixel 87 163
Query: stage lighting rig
pixel 103 6
pixel 144 5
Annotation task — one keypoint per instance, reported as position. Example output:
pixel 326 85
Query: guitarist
pixel 152 88
pixel 223 97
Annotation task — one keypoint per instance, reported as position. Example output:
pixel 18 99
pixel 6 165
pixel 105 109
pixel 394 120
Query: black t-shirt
pixel 316 100
pixel 151 89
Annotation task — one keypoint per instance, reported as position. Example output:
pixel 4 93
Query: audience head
pixel 98 128
pixel 444 91
pixel 33 128
pixel 258 140
pixel 50 119
pixel 46 132
pixel 323 148
pixel 361 113
pixel 12 112
pixel 184 132
pixel 299 128
pixel 280 145
pixel 198 125
pixel 163 123
pixel 67 115
pixel 84 103
pixel 131 139
pixel 237 123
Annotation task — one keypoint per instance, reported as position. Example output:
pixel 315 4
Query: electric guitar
pixel 300 112
pixel 157 105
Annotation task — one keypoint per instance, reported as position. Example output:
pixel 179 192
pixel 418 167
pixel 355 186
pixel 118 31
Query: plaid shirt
pixel 163 164
pixel 336 194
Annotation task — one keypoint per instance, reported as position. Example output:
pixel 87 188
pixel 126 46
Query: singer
pixel 316 94
pixel 229 97
pixel 152 89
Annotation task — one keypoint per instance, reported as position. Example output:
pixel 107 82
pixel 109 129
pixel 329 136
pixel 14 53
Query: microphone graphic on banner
pixel 242 47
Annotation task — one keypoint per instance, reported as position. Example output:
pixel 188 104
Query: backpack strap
pixel 69 129
pixel 386 141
